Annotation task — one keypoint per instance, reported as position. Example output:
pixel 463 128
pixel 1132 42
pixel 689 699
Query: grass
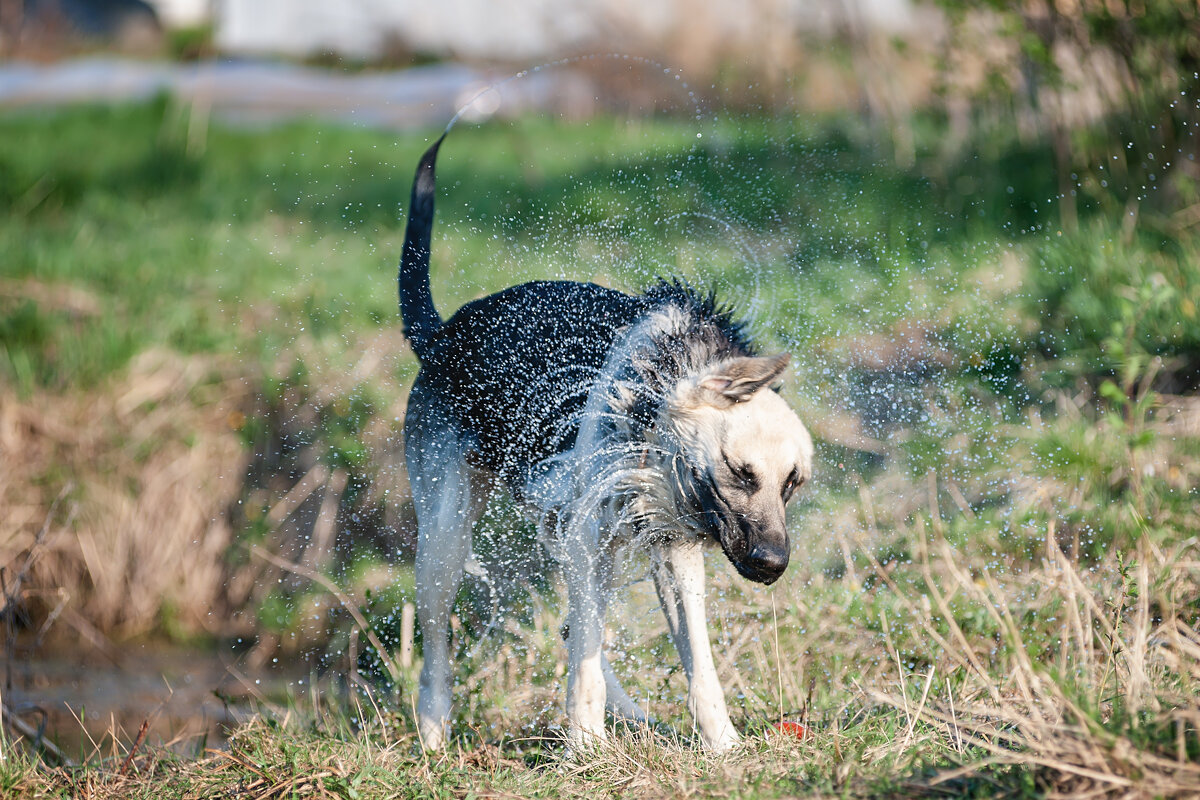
pixel 1047 682
pixel 994 586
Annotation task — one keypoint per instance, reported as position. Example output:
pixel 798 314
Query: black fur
pixel 514 369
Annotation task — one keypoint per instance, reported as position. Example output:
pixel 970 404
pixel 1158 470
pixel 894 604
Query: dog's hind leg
pixel 679 579
pixel 444 522
pixel 449 496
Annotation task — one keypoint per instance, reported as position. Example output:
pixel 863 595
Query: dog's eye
pixel 793 482
pixel 743 475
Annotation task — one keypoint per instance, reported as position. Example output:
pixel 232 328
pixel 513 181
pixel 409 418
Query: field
pixel 995 581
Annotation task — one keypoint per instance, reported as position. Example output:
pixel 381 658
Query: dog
pixel 615 420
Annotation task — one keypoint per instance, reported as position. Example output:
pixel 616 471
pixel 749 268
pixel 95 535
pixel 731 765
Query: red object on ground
pixel 792 729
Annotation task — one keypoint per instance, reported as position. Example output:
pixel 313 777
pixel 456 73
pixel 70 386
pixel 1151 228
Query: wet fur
pixel 615 420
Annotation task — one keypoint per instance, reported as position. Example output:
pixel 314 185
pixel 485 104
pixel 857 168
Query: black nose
pixel 765 563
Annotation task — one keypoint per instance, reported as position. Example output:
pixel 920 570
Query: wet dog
pixel 616 421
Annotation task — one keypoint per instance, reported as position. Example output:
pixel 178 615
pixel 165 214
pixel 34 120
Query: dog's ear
pixel 736 379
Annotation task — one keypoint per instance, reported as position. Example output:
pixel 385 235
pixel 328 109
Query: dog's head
pixel 742 454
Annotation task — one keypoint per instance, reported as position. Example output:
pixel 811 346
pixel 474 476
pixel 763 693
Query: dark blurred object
pixel 49 28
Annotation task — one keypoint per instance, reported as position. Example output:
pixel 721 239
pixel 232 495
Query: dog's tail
pixel 421 320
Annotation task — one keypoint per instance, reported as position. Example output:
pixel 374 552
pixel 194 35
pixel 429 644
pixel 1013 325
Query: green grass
pixel 1003 519
pixel 300 224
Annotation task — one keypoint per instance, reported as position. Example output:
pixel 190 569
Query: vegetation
pixel 994 587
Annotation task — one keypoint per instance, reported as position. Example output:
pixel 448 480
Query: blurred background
pixel 973 222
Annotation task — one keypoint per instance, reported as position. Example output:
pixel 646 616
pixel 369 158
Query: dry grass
pixel 1109 711
pixel 113 504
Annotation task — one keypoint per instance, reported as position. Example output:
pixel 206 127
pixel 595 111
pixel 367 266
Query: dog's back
pixel 515 368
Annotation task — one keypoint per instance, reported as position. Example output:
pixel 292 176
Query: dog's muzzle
pixel 758 554
pixel 765 562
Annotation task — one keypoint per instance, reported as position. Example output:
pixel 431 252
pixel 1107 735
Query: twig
pixel 324 530
pixel 287 505
pixel 93 635
pixel 887 635
pixel 141 737
pixel 953 717
pixel 345 601
pixel 39 538
pixel 64 597
pixel 23 728
pixel 10 596
pixel 79 721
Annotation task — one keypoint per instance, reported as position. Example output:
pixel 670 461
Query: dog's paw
pixel 584 745
pixel 433 734
pixel 725 742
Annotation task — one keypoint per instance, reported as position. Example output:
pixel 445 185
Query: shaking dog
pixel 616 421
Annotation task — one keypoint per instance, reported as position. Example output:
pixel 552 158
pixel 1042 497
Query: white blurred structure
pixel 467 28
pixel 525 29
pixel 183 13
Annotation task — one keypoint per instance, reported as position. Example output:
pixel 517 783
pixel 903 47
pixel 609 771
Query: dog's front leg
pixel 679 579
pixel 586 689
